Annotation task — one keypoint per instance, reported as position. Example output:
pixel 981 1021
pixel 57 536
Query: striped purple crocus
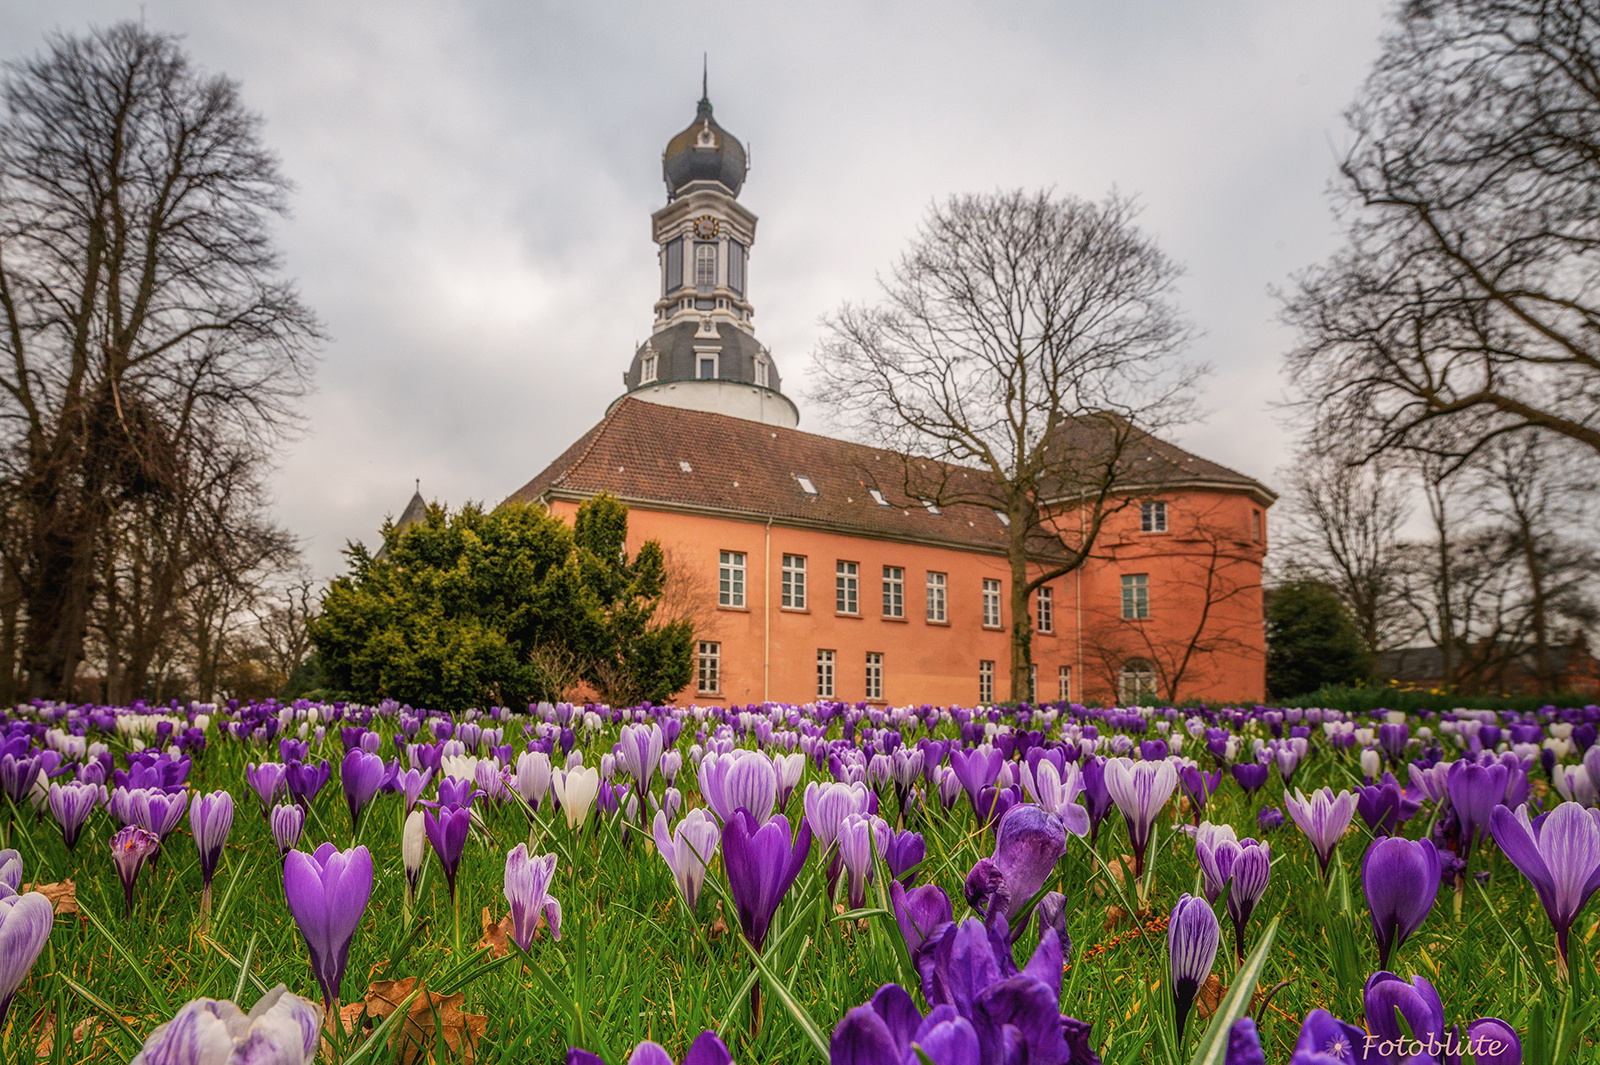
pixel 1141 791
pixel 25 922
pixel 327 893
pixel 71 804
pixel 1323 817
pixel 1559 854
pixel 210 819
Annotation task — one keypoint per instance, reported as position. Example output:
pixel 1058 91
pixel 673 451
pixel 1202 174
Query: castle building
pixel 810 577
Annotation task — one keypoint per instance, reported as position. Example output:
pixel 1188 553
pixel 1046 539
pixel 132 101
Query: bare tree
pixel 141 316
pixel 1032 338
pixel 1210 571
pixel 1342 526
pixel 1467 290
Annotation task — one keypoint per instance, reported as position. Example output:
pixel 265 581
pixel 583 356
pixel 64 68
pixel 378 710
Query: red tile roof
pixel 647 453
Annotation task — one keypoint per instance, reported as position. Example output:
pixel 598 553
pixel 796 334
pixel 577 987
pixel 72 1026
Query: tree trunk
pixel 1021 617
pixel 58 600
pixel 10 602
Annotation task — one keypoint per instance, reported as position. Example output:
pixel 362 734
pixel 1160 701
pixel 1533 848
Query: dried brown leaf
pixel 62 896
pixel 428 1017
pixel 1209 995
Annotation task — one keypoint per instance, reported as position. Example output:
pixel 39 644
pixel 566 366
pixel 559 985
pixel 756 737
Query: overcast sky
pixel 475 182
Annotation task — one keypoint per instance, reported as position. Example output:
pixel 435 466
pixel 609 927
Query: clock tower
pixel 703 353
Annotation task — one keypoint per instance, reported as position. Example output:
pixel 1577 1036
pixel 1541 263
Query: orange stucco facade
pixel 1201 636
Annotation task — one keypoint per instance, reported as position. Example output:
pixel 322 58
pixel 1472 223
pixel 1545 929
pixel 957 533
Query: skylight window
pixel 877 497
pixel 683 464
pixel 1005 519
pixel 806 486
pixel 931 508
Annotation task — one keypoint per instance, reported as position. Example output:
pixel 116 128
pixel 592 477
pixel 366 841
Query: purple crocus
pixel 287 822
pixel 527 887
pixel 761 864
pixel 265 780
pixel 890 1030
pixel 1215 848
pixel 903 854
pixel 919 912
pixel 1386 995
pixel 448 834
pixel 1494 1042
pixel 1401 878
pixel 1475 791
pixel 280 1028
pixel 362 775
pixel 687 850
pixel 210 819
pixel 327 893
pixel 1560 856
pixel 25 922
pixel 1323 818
pixel 1028 844
pixel 707 1049
pixel 1096 795
pixel 304 781
pixel 1384 805
pixel 1252 871
pixel 1198 785
pixel 1251 776
pixel 742 780
pixel 639 752
pixel 1192 937
pixel 1141 791
pixel 976 768
pixel 130 847
pixel 71 804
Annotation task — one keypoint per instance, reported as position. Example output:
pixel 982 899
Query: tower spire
pixel 705 67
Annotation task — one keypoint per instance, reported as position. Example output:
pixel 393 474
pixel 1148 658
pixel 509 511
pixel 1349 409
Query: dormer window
pixel 705 265
pixel 706 366
pixel 647 368
pixel 761 373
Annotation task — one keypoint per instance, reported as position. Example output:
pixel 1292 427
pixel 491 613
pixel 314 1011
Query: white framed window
pixel 894 592
pixel 708 669
pixel 705 265
pixel 794 582
pixel 824 674
pixel 674 256
pixel 1047 609
pixel 1135 596
pixel 647 369
pixel 847 588
pixel 1152 517
pixel 736 259
pixel 730 579
pixel 936 598
pixel 991 603
pixel 1138 682
pixel 761 373
pixel 1064 684
pixel 706 366
pixel 874 674
pixel 985 682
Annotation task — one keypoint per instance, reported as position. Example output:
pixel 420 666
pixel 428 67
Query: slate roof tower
pixel 703 353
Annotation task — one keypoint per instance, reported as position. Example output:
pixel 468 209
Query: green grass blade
pixel 100 1004
pixel 802 1019
pixel 254 979
pixel 1213 1048
pixel 156 996
pixel 244 969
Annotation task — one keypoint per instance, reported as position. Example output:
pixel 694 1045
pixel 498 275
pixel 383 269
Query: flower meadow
pixel 1053 885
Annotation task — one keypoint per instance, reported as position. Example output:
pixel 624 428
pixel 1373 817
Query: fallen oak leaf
pixel 63 896
pixel 428 1016
pixel 495 934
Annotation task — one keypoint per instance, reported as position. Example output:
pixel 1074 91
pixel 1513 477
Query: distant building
pixel 1496 669
pixel 818 581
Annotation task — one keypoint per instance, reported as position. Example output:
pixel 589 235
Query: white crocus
pixel 576 790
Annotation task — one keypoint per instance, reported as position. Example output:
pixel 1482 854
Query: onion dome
pixel 703 152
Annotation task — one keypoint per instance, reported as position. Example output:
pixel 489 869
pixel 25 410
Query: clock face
pixel 705 227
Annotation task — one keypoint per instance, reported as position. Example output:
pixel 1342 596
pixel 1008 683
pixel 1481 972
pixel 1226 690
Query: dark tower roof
pixel 676 355
pixel 703 152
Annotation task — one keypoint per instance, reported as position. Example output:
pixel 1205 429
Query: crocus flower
pixel 10 871
pixel 129 849
pixel 688 850
pixel 1252 870
pixel 526 886
pixel 576 789
pixel 71 804
pixel 305 781
pixel 532 779
pixel 362 775
pixel 19 773
pixel 761 864
pixel 281 1028
pixel 1141 791
pixel 1251 776
pixel 1096 794
pixel 328 893
pixel 743 780
pixel 639 752
pixel 1192 936
pixel 1475 790
pixel 1560 856
pixel 1028 844
pixel 707 1049
pixel 1269 819
pixel 287 822
pixel 1215 848
pixel 890 1030
pixel 448 834
pixel 858 836
pixel 25 922
pixel 210 819
pixel 1494 1042
pixel 1417 1002
pixel 1198 785
pixel 976 768
pixel 1056 787
pixel 919 912
pixel 413 849
pixel 904 853
pixel 1323 818
pixel 265 780
pixel 1384 805
pixel 1401 878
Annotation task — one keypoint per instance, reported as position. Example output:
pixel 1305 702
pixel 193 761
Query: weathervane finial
pixel 705 67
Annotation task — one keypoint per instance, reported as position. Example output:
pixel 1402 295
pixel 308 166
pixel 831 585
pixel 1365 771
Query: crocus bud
pixel 1192 936
pixel 413 848
pixel 287 823
pixel 1371 762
